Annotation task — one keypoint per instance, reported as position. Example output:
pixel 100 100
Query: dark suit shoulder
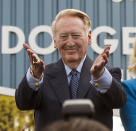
pixel 54 68
pixel 114 71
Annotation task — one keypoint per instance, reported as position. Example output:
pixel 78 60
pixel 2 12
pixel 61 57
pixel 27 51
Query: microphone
pixel 78 108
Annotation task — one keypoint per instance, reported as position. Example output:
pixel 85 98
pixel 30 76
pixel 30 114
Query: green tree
pixel 13 119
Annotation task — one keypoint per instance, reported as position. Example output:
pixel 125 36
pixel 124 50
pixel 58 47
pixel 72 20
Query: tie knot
pixel 74 72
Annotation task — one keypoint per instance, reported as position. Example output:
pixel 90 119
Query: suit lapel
pixel 60 82
pixel 85 77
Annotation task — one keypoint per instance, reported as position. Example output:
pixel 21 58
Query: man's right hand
pixel 37 65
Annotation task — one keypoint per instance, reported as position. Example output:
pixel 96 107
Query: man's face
pixel 71 39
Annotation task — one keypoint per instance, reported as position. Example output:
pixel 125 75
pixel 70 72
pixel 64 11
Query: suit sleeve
pixel 115 97
pixel 26 98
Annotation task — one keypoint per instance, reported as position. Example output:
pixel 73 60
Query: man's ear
pixel 89 38
pixel 55 46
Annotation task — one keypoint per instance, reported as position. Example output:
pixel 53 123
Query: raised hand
pixel 97 68
pixel 37 65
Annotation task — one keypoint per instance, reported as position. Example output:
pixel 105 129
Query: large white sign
pixel 6 30
pixel 117 1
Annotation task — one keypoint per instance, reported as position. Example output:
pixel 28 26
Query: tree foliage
pixel 12 119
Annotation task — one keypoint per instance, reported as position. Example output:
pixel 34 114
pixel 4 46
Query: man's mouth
pixel 71 50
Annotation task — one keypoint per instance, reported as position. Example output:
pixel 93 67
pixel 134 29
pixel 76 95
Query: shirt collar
pixel 68 70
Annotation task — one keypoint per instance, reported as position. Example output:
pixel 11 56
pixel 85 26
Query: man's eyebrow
pixel 76 33
pixel 71 33
pixel 63 33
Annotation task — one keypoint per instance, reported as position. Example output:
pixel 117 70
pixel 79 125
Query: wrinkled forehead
pixel 70 24
pixel 69 17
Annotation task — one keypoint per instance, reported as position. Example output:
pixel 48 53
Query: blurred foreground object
pixel 78 108
pixel 77 124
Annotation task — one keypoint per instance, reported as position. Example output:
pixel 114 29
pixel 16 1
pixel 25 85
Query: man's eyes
pixel 63 36
pixel 74 36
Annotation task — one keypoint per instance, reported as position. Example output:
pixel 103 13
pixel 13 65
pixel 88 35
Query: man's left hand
pixel 97 68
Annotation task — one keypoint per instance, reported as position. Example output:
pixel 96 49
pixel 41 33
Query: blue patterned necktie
pixel 74 83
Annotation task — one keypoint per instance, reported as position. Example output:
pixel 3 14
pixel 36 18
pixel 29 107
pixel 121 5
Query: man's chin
pixel 72 59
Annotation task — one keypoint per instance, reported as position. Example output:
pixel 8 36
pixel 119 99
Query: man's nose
pixel 70 36
pixel 70 41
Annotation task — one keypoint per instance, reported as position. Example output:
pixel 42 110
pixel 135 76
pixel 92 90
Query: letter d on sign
pixel 5 39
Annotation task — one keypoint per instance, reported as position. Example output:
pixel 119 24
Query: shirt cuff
pixel 103 83
pixel 33 82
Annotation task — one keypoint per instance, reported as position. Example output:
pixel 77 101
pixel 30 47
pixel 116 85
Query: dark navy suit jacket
pixel 47 101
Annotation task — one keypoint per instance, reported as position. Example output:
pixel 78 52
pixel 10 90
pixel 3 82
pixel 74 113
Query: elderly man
pixel 74 76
